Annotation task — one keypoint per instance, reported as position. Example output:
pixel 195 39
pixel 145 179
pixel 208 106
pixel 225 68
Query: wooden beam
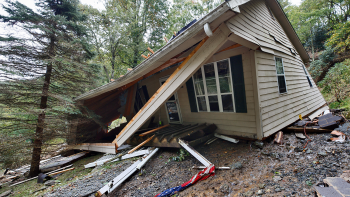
pixel 59 172
pixel 143 143
pixel 150 50
pixel 194 153
pixel 166 39
pixel 153 130
pixel 204 50
pixel 144 56
pixel 129 99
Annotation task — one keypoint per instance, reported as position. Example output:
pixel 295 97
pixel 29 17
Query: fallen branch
pixel 37 176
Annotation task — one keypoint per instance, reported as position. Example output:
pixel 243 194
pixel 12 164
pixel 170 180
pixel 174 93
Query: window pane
pixel 210 78
pixel 223 69
pixel 279 65
pixel 213 103
pixel 225 85
pixel 198 82
pixel 282 84
pixel 227 103
pixel 172 111
pixel 202 105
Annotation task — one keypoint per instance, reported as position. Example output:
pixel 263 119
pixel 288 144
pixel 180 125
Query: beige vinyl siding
pixel 239 124
pixel 256 25
pixel 280 110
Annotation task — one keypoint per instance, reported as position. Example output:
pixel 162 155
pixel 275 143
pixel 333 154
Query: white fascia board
pixel 193 152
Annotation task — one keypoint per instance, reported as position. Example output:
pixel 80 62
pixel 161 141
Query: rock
pixel 262 186
pixel 300 136
pixel 51 182
pixel 237 165
pixel 277 189
pixel 248 193
pixel 277 178
pixel 260 192
pixel 258 144
pixel 224 188
pixel 308 151
pixel 347 151
pixel 298 149
pixel 322 153
pixel 6 193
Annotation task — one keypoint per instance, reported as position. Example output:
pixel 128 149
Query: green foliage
pixel 42 68
pixel 181 155
pixel 317 67
pixel 340 37
pixel 337 81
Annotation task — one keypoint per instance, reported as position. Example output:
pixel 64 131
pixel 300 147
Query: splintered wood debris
pixel 125 174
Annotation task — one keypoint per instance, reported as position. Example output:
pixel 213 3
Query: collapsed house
pixel 240 67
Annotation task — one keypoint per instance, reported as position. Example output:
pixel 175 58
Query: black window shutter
pixel 238 84
pixel 191 95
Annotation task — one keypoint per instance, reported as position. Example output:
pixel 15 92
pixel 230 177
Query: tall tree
pixel 43 69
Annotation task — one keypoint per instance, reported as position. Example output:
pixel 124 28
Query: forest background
pixel 107 42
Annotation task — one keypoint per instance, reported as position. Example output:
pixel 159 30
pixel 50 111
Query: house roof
pixel 190 37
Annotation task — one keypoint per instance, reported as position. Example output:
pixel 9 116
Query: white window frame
pixel 284 75
pixel 218 94
pixel 308 77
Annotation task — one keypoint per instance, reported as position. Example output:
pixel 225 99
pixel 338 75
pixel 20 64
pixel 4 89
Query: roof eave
pixel 177 41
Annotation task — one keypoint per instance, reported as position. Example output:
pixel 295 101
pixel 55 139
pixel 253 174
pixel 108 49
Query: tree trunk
pixel 35 163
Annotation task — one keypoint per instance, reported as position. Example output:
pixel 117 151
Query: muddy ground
pixel 287 170
pixel 275 170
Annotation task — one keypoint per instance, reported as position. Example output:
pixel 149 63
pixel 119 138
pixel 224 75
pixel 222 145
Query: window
pixel 281 78
pixel 213 87
pixel 307 76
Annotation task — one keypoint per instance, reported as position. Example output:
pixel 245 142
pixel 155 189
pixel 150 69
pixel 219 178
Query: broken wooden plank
pixel 98 147
pixel 193 152
pixel 59 172
pixel 125 174
pixel 148 157
pixel 134 154
pixel 150 50
pixel 339 184
pixel 118 180
pixel 226 138
pixel 217 168
pixel 153 130
pixel 191 64
pixel 138 146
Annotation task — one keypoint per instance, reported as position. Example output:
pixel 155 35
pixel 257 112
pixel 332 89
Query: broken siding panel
pixel 242 124
pixel 283 109
pixel 257 25
pixel 275 28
